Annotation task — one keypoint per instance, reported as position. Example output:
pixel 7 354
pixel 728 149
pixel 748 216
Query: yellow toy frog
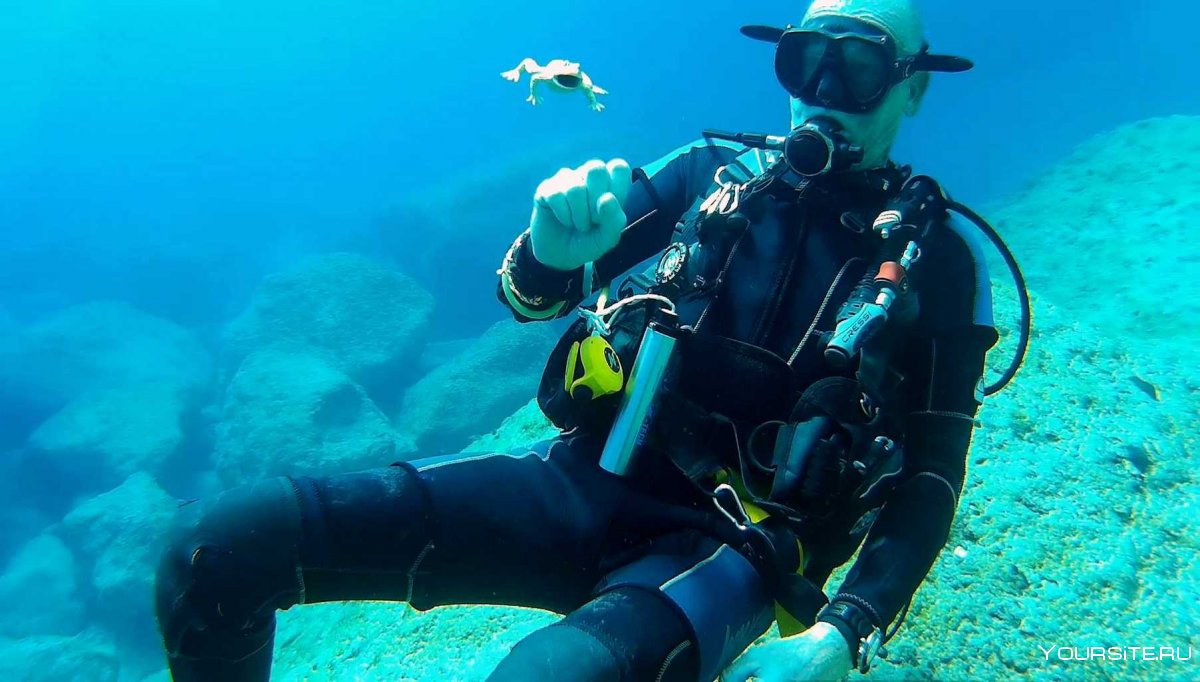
pixel 560 75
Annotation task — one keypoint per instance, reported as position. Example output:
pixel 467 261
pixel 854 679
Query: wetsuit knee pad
pixel 223 576
pixel 558 652
pixel 715 590
pixel 624 635
pixel 726 602
pixel 643 632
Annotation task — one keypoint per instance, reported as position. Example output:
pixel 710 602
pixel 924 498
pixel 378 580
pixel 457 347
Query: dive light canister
pixel 635 417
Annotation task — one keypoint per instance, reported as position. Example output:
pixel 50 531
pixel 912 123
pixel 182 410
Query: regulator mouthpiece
pixel 818 147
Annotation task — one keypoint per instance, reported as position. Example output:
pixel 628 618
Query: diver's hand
pixel 513 75
pixel 817 654
pixel 578 214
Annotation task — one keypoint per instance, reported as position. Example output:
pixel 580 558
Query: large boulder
pixel 118 536
pixel 40 592
pixel 438 353
pixel 524 427
pixel 98 345
pixel 292 413
pixel 90 347
pixel 101 437
pixel 1116 222
pixel 362 318
pixel 87 657
pixel 495 377
pixel 18 525
pixel 383 641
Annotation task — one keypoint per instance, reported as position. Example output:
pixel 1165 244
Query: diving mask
pixel 845 65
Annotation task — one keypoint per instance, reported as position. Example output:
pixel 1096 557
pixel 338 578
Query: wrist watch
pixel 864 638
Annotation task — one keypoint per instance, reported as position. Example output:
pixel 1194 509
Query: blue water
pixel 172 154
pixel 148 148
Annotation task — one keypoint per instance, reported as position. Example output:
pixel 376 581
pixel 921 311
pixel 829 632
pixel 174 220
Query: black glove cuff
pixel 536 280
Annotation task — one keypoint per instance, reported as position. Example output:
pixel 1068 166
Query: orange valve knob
pixel 892 273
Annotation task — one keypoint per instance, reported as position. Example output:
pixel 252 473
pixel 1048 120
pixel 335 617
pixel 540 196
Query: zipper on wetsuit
pixel 679 648
pixel 766 323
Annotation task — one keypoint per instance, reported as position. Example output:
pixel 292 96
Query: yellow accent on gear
pixel 518 305
pixel 593 365
pixel 788 625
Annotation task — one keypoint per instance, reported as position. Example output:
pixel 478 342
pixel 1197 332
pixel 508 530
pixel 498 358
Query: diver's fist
pixel 579 213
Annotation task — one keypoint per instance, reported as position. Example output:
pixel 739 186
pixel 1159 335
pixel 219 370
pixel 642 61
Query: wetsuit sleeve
pixel 943 365
pixel 660 195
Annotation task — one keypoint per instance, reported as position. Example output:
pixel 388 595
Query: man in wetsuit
pixel 657 575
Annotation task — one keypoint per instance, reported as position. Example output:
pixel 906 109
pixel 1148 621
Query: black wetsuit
pixel 647 595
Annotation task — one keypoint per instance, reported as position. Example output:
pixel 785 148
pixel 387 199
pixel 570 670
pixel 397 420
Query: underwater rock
pixel 524 427
pixel 1074 542
pixel 495 377
pixel 17 526
pixel 118 536
pixel 293 413
pixel 1096 207
pixel 101 344
pixel 438 353
pixel 101 437
pixel 363 318
pixel 87 657
pixel 88 347
pixel 389 641
pixel 39 591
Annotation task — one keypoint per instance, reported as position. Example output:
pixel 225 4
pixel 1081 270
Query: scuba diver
pixel 777 362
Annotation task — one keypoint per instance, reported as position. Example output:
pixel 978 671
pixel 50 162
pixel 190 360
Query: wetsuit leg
pixel 624 635
pixel 222 579
pixel 523 530
pixel 681 611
